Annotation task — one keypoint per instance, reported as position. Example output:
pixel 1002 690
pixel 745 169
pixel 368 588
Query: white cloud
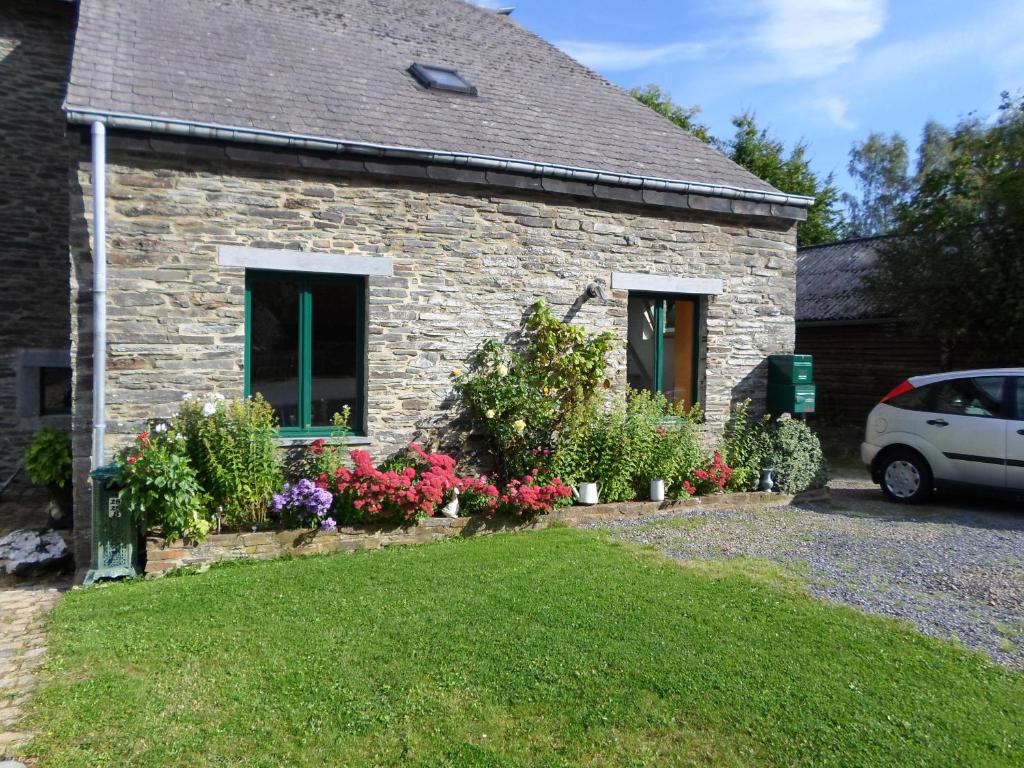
pixel 837 110
pixel 807 39
pixel 989 41
pixel 765 40
pixel 618 57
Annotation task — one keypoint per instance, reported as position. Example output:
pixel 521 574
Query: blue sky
pixel 826 71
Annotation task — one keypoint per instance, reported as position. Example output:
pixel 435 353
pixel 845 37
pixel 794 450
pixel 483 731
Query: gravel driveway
pixel 954 568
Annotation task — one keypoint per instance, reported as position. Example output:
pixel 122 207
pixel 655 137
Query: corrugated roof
pixel 338 69
pixel 829 278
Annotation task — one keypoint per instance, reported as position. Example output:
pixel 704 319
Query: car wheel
pixel 906 477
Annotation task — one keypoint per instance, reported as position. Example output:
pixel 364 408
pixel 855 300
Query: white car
pixel 963 429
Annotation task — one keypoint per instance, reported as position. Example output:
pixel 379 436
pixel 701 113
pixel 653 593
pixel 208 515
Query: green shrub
pixel 794 452
pixel 744 443
pixel 159 484
pixel 319 457
pixel 48 458
pixel 231 446
pixel 521 398
pixel 624 444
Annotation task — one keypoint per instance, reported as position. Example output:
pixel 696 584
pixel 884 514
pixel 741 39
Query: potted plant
pixel 662 455
pixel 48 463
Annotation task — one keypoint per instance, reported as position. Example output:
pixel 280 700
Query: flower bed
pixel 550 427
pixel 163 556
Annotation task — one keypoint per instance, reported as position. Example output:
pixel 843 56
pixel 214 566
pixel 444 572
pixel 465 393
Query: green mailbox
pixel 791 387
pixel 115 536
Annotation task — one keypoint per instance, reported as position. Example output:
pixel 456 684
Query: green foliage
pixel 685 117
pixel 48 458
pixel 159 484
pixel 764 156
pixel 522 397
pixel 321 458
pixel 958 246
pixel 879 166
pixel 624 444
pixel 231 446
pixel 743 446
pixel 794 452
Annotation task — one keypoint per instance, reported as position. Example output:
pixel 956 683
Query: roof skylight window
pixel 441 79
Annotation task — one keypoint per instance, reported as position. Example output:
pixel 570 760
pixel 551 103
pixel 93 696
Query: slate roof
pixel 828 279
pixel 337 69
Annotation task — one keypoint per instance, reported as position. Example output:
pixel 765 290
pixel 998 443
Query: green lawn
pixel 544 649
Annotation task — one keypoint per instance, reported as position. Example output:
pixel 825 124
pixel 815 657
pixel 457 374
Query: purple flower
pixel 304 501
pixel 329 525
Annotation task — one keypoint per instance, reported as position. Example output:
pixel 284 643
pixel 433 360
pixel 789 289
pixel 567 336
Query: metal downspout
pixel 99 292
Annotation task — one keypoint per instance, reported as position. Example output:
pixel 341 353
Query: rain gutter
pixel 201 130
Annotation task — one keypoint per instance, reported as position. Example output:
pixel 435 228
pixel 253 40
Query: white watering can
pixel 657 490
pixel 451 509
pixel 588 493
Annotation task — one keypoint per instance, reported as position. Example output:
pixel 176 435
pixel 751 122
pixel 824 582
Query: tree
pixel 880 168
pixel 685 117
pixel 935 151
pixel 764 156
pixel 955 269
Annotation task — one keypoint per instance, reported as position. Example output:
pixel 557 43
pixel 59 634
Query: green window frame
pixel 306 283
pixel 661 302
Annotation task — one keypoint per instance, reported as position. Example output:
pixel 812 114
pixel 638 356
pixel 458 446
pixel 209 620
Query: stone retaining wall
pixel 163 556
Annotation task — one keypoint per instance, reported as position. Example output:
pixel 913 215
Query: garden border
pixel 163 556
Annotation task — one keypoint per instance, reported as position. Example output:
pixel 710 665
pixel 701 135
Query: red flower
pixel 132 459
pixel 144 437
pixel 317 446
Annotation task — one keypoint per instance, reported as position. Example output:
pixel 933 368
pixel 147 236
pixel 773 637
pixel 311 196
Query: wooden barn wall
pixel 856 364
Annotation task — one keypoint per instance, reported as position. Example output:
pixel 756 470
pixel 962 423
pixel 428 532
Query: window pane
pixel 274 350
pixel 971 397
pixel 336 350
pixel 915 399
pixel 640 343
pixel 1020 399
pixel 677 352
pixel 54 391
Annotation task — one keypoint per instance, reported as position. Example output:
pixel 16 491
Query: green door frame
pixel 660 314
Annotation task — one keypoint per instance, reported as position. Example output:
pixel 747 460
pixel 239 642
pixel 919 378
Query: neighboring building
pixel 859 354
pixel 35 373
pixel 293 208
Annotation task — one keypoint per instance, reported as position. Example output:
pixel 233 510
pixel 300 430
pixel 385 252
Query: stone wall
pixel 467 262
pixel 163 556
pixel 34 39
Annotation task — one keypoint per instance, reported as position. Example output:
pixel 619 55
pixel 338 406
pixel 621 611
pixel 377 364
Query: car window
pixel 914 399
pixel 1020 399
pixel 982 396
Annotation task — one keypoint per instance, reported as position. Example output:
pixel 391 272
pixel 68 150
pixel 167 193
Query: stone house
pixel 332 202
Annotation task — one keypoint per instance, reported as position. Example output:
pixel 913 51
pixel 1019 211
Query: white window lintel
pixel 639 281
pixel 303 261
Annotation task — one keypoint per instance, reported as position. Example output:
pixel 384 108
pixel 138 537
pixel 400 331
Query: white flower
pixel 209 409
pixel 187 397
pixel 502 369
pixel 490 414
pixel 161 427
pixel 519 425
pixel 218 396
